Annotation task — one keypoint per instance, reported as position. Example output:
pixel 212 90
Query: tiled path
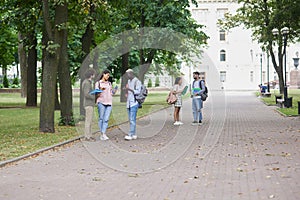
pixel 243 150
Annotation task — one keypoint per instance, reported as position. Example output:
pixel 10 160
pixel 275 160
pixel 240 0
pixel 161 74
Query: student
pixel 177 90
pixel 104 102
pixel 197 88
pixel 133 87
pixel 88 103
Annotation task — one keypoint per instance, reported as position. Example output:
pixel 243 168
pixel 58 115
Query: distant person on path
pixel 177 90
pixel 104 102
pixel 88 103
pixel 132 88
pixel 262 89
pixel 197 88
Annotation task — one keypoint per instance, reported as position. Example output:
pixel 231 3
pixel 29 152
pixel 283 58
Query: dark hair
pixel 106 71
pixel 177 80
pixel 89 73
pixel 196 73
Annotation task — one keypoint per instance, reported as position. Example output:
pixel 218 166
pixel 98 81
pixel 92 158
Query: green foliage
pixel 293 111
pixel 157 82
pixel 16 81
pixel 5 82
pixel 66 121
pixel 149 83
pixel 262 17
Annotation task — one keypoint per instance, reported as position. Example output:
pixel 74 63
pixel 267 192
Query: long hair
pixel 177 80
pixel 106 71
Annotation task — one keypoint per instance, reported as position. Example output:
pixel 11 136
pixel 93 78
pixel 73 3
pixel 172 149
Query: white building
pixel 238 60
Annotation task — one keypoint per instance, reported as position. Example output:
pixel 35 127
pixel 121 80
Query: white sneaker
pixel 104 137
pixel 128 137
pixel 180 123
pixel 134 137
pixel 177 123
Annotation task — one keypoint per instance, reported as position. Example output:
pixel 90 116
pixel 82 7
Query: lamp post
pixel 284 32
pixel 268 72
pixel 260 69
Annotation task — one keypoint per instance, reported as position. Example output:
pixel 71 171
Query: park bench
pixel 266 94
pixel 280 102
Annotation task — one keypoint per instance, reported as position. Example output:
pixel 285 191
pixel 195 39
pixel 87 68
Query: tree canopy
pixel 262 17
pixel 61 33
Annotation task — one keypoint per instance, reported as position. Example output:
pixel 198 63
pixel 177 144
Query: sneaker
pixel 200 122
pixel 104 137
pixel 134 137
pixel 180 123
pixel 128 137
pixel 194 123
pixel 176 123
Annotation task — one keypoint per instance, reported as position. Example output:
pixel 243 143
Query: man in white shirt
pixel 198 87
pixel 133 88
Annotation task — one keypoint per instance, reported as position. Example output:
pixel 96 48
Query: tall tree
pixel 64 76
pixel 23 65
pixel 55 37
pixel 24 16
pixel 137 14
pixel 264 16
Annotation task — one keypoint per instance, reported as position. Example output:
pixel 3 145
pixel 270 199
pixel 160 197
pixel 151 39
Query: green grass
pixel 295 93
pixel 19 126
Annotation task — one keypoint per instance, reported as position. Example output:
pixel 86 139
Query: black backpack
pixel 140 98
pixel 204 95
pixel 206 90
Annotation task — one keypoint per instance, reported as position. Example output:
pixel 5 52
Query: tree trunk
pixel 31 97
pixel 86 41
pixel 64 77
pixel 145 63
pixel 278 68
pixel 50 66
pixel 23 65
pixel 57 105
pixel 124 79
pixel 4 70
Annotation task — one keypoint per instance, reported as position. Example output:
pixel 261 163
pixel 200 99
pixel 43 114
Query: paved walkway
pixel 243 150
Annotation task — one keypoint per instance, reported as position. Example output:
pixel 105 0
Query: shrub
pixel 156 82
pixel 16 81
pixel 149 83
pixel 5 82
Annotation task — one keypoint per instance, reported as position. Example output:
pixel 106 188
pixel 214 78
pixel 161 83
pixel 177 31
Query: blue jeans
pixel 132 111
pixel 197 109
pixel 104 114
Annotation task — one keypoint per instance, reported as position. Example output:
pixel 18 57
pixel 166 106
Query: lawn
pixel 19 125
pixel 295 93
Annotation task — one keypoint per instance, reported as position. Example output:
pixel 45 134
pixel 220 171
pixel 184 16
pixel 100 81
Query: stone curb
pixel 13 160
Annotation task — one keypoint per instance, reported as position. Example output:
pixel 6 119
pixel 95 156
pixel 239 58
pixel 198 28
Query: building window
pixel 222 55
pixel 251 76
pixel 222 35
pixel 222 76
pixel 221 12
pixel 200 14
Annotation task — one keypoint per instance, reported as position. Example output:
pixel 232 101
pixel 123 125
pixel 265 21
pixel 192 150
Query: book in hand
pixel 185 90
pixel 96 91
